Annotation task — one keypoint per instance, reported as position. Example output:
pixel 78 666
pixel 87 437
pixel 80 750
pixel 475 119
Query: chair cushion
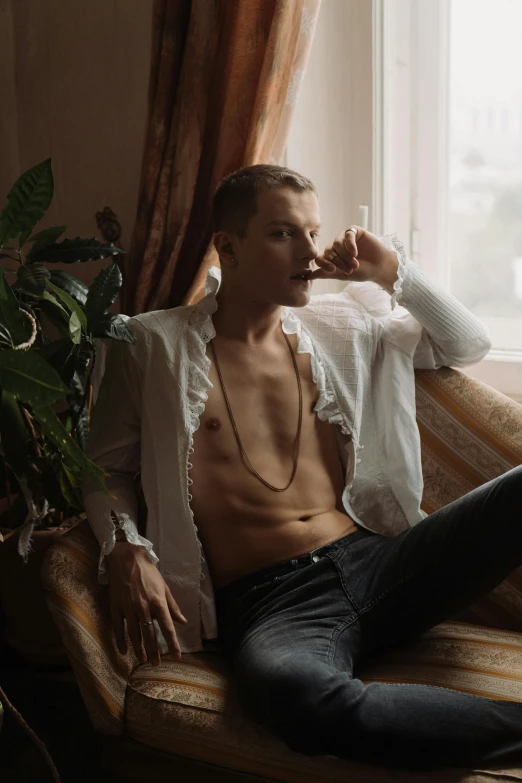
pixel 190 709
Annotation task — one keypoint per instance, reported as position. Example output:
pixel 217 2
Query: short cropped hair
pixel 235 200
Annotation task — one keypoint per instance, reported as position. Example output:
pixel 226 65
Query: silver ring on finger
pixel 351 229
pixel 144 625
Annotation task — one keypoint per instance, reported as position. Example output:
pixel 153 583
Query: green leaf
pixel 10 314
pixel 69 251
pixel 61 354
pixel 112 325
pixel 13 434
pixel 83 355
pixel 56 432
pixel 22 239
pixel 30 378
pixel 5 336
pixel 70 485
pixel 103 292
pixel 75 329
pixel 55 313
pixel 33 277
pixel 73 456
pixel 27 201
pixel 71 303
pixel 48 235
pixel 76 288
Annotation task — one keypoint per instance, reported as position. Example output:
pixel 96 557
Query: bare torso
pixel 243 525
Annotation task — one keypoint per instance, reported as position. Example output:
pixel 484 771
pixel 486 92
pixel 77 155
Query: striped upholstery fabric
pixel 188 708
pixel 470 434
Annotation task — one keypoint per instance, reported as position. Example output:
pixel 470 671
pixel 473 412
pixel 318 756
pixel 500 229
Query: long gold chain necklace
pixel 236 433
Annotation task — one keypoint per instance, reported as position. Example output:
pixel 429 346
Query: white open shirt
pixel 364 345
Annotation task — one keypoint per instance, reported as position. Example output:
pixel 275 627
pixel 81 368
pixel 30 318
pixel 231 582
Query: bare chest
pixel 263 409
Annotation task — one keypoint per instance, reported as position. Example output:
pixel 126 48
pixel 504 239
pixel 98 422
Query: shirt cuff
pixel 130 531
pixel 393 242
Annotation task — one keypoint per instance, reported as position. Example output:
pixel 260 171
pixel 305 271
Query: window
pixel 381 119
pixel 452 173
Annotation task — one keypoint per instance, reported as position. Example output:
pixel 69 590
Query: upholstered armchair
pixel 181 721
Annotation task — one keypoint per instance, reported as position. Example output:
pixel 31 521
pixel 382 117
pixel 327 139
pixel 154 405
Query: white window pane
pixel 485 176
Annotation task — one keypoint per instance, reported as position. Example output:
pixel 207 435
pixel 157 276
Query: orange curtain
pixel 224 81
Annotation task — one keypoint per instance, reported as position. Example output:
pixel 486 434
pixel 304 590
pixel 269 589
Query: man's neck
pixel 241 318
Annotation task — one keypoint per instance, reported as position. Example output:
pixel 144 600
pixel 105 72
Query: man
pixel 280 461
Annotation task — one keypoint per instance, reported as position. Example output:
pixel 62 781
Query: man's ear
pixel 225 248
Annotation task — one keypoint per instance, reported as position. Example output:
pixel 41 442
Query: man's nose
pixel 310 250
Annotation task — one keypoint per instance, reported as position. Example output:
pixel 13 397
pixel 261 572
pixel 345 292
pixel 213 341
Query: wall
pixel 330 139
pixel 73 87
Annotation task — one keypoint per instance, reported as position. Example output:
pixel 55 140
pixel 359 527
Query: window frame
pixel 411 66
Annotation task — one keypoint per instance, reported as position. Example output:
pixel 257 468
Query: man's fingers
pixel 134 630
pixel 350 243
pixel 174 609
pixel 119 631
pixel 167 628
pixel 324 265
pixel 148 633
pixel 344 259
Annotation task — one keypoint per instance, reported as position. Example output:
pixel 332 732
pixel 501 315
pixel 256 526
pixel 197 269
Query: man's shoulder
pixel 161 322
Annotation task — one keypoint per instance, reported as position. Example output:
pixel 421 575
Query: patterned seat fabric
pixel 470 434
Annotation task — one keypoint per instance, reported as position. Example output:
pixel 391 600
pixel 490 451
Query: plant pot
pixel 29 627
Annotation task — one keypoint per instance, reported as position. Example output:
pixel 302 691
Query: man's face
pixel 281 241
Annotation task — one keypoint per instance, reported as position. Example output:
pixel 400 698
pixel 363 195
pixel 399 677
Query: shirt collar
pixel 202 315
pixel 213 280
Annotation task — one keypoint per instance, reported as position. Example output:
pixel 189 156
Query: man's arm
pixel 138 594
pixel 114 445
pixel 434 327
pixel 451 335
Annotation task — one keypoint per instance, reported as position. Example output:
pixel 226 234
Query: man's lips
pixel 302 275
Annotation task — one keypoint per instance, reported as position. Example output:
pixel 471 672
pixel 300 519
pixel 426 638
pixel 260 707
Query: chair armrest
pixel 470 434
pixel 77 600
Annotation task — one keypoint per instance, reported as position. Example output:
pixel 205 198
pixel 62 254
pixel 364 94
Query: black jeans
pixel 295 632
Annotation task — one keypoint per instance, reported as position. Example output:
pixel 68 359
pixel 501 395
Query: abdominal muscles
pixel 243 525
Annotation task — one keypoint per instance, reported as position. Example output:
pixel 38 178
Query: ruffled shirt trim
pixel 326 407
pixel 198 371
pixel 393 242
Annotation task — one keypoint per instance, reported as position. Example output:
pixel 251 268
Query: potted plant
pixel 49 321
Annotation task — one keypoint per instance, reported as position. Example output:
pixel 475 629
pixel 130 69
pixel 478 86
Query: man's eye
pixel 283 231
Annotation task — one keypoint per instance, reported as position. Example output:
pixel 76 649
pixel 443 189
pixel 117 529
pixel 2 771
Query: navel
pixel 213 424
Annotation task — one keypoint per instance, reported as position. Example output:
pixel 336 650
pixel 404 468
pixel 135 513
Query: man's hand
pixel 138 594
pixel 360 257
